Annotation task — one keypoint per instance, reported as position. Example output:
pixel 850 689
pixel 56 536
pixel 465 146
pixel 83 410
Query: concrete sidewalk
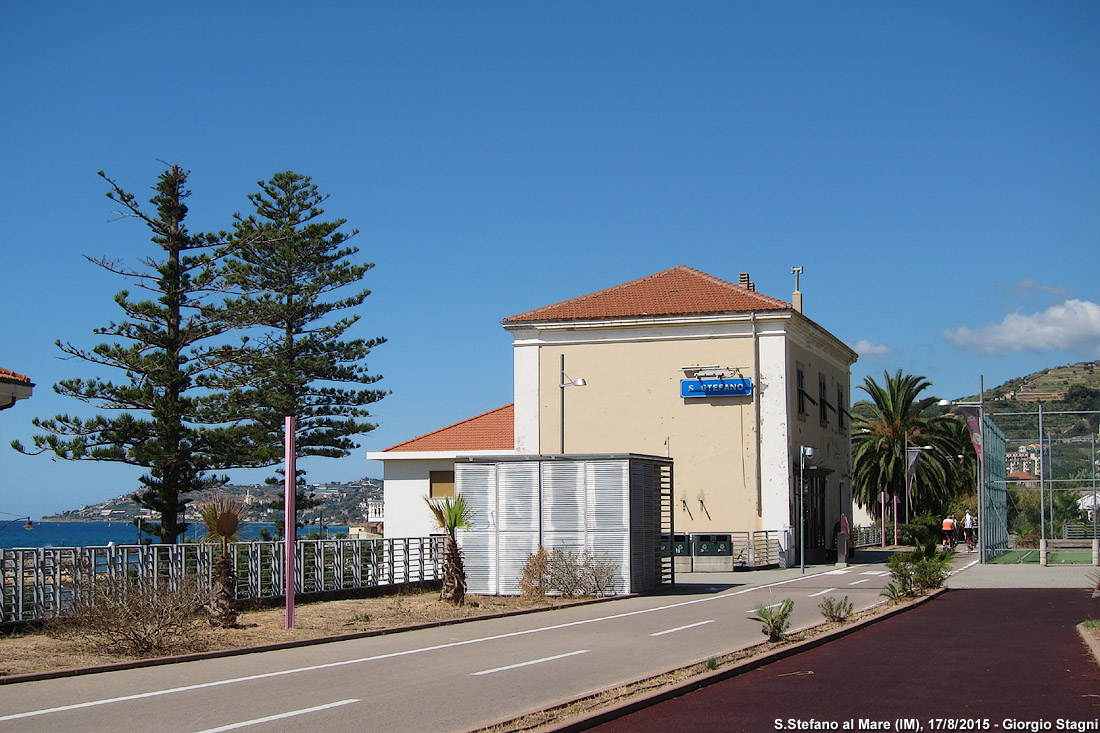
pixel 987 575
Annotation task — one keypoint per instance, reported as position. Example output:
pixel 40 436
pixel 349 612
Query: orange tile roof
pixel 9 376
pixel 493 430
pixel 674 292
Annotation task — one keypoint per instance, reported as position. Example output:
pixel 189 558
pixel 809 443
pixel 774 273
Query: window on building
pixel 442 484
pixel 801 371
pixel 822 399
pixel 841 410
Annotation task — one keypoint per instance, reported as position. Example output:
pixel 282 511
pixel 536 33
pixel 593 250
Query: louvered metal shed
pixel 617 508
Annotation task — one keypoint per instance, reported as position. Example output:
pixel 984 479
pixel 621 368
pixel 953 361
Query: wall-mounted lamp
pixel 564 382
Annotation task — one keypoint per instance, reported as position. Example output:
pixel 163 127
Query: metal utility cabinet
pixel 616 508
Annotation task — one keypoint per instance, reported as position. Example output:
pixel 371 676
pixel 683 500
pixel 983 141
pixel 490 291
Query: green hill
pixel 1069 398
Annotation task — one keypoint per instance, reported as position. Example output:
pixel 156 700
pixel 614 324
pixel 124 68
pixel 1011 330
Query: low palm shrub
pixel 774 620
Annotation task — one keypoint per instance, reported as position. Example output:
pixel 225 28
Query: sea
pixel 95 534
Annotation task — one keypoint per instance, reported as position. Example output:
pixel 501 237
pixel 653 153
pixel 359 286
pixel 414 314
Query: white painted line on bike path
pixel 821 593
pixel 280 716
pixel 402 653
pixel 682 628
pixel 528 664
pixel 774 605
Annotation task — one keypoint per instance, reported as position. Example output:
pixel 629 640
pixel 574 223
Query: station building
pixel 731 384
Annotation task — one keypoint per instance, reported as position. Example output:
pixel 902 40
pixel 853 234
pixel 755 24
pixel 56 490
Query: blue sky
pixel 932 166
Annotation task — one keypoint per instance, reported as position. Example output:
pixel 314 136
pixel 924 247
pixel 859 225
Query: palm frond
pixel 222 517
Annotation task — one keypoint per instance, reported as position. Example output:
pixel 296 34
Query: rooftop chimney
pixel 743 281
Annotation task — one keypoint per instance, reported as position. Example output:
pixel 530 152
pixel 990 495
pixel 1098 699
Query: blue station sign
pixel 715 387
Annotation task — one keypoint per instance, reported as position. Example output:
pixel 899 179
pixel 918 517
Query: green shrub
pixel 774 620
pixel 834 610
pixel 892 592
pixel 923 569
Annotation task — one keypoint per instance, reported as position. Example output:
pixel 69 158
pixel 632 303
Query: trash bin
pixel 712 553
pixel 681 553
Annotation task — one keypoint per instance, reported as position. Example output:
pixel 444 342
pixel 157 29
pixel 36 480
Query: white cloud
pixel 871 351
pixel 1072 324
pixel 1028 286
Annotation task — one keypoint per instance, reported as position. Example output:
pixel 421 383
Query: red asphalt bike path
pixel 970 659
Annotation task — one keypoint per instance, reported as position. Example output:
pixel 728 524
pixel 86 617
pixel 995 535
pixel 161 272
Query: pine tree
pixel 285 266
pixel 159 348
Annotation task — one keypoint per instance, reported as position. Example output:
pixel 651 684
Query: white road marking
pixel 836 572
pixel 681 628
pixel 774 605
pixel 403 653
pixel 876 572
pixel 528 664
pixel 857 582
pixel 821 593
pixel 280 716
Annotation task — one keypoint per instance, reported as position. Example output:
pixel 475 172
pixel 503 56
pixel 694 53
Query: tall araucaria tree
pixel 158 347
pixel 288 270
pixel 881 428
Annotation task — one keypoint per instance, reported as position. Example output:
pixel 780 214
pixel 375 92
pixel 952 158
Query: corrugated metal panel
pixel 477 483
pixel 612 547
pixel 563 496
pixel 514 547
pixel 567 541
pixel 479 552
pixel 607 485
pixel 518 496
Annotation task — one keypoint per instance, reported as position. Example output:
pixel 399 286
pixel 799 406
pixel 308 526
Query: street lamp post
pixel 27 523
pixel 562 384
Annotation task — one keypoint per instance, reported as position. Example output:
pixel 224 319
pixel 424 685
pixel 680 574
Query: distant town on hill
pixel 354 502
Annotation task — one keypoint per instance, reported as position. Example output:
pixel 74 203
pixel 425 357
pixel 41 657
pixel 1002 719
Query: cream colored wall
pixel 631 404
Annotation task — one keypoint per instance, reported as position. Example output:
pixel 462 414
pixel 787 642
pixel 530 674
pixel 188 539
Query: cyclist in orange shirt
pixel 948 530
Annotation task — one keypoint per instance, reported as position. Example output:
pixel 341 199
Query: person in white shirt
pixel 968 528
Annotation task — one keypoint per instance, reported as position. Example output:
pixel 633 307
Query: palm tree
pixel 451 515
pixel 222 517
pixel 897 414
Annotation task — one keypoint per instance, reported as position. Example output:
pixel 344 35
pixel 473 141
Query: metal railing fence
pixel 1079 532
pixel 39 583
pixel 865 536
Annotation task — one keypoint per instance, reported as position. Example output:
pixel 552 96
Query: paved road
pixel 449 678
pixel 993 658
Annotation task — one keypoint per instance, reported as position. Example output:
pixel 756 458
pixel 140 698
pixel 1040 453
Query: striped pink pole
pixel 290 539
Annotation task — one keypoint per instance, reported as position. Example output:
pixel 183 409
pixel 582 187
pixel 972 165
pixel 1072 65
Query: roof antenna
pixel 796 299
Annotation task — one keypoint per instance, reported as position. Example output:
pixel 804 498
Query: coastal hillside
pixel 341 503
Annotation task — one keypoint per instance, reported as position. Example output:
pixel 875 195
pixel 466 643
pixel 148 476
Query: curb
pixel 1090 641
pixel 240 651
pixel 644 700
